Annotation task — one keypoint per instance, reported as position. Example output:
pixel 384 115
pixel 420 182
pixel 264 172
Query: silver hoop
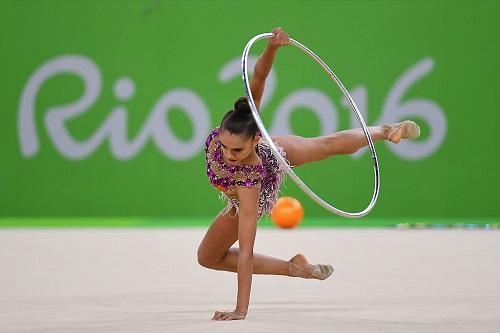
pixel 285 166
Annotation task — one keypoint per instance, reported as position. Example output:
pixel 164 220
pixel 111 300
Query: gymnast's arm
pixel 265 62
pixel 247 228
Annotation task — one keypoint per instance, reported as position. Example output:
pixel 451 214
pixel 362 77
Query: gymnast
pixel 243 168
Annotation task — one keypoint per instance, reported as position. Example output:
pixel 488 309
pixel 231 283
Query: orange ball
pixel 287 212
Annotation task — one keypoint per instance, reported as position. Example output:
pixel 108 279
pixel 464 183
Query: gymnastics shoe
pixel 299 267
pixel 405 130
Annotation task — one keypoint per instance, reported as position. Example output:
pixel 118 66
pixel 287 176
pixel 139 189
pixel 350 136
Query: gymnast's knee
pixel 205 260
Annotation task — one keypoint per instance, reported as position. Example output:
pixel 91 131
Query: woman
pixel 242 167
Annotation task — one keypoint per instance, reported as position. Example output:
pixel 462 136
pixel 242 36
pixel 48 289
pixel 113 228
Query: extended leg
pixel 300 150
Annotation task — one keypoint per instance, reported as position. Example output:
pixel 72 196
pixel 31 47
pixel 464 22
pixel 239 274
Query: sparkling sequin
pixel 225 178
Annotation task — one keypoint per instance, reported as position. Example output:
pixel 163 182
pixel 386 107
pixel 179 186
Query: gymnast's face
pixel 235 147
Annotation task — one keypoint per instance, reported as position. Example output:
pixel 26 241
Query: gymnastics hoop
pixel 285 166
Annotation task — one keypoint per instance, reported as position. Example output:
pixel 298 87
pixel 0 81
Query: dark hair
pixel 240 120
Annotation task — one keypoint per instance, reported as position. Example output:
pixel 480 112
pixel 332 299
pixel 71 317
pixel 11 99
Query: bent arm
pixel 247 228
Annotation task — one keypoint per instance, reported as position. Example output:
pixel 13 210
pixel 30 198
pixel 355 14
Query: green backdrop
pixel 105 104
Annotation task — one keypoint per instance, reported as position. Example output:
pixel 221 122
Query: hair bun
pixel 239 120
pixel 241 106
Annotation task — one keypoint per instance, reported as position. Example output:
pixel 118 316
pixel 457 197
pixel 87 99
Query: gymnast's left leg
pixel 300 150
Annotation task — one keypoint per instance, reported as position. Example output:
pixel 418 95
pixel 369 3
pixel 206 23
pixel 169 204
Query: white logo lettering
pixel 115 125
pixel 155 126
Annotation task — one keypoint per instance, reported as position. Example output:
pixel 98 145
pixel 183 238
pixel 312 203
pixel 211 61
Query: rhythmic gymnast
pixel 241 165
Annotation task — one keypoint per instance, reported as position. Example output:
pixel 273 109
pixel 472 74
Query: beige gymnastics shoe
pixel 300 267
pixel 404 130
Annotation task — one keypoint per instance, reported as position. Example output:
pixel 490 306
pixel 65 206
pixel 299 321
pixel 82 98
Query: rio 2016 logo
pixel 155 126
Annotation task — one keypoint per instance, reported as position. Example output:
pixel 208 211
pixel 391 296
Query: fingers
pixel 217 315
pixel 226 315
pixel 280 37
pixel 220 315
pixel 282 40
pixel 276 30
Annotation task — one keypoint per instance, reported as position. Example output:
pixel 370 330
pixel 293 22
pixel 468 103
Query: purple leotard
pixel 266 176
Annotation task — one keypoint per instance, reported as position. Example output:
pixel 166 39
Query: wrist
pixel 272 47
pixel 241 311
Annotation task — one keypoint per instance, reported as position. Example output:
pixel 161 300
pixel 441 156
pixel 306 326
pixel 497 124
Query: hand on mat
pixel 280 39
pixel 228 315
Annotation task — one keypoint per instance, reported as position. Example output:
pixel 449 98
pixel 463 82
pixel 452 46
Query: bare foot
pixel 300 267
pixel 404 130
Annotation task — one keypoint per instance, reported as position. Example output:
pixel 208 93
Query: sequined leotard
pixel 266 176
